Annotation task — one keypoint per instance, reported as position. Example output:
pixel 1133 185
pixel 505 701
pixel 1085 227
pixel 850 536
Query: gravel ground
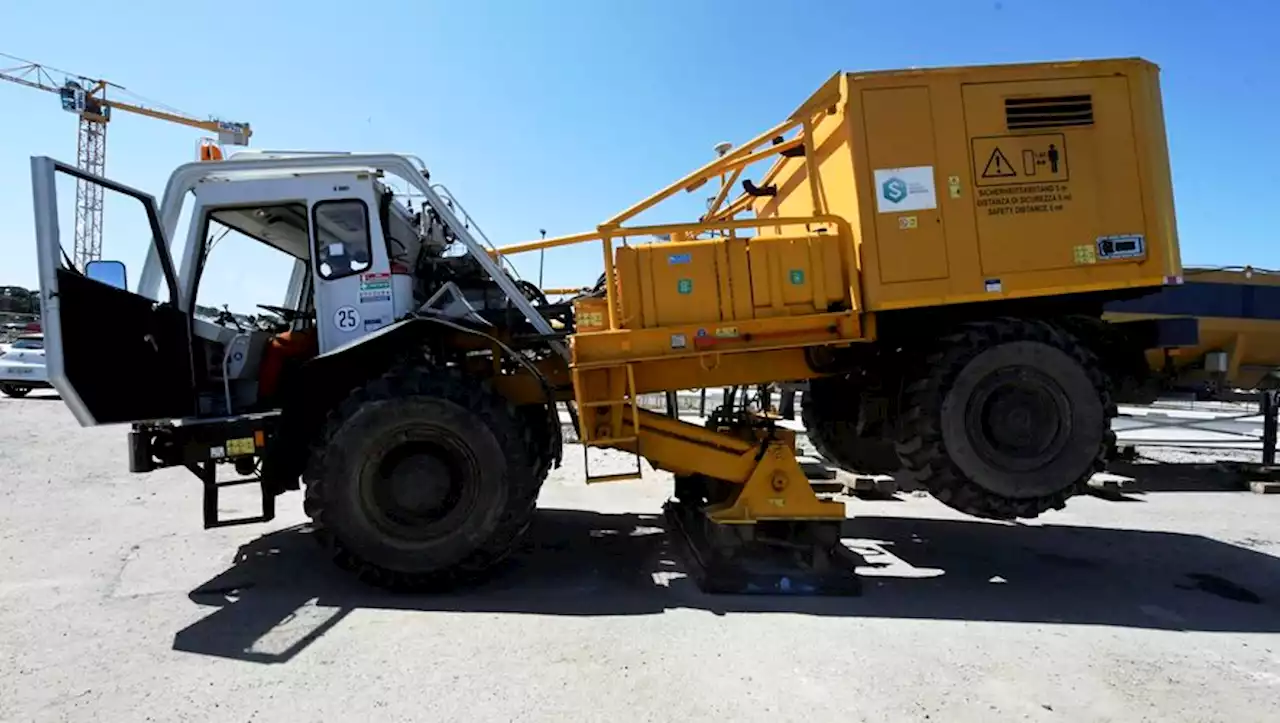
pixel 116 606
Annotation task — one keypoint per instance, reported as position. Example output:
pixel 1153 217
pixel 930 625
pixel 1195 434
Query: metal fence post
pixel 787 402
pixel 1268 427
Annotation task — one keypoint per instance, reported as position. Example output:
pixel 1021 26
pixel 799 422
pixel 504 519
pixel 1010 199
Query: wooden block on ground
pixel 813 469
pixel 1262 487
pixel 861 485
pixel 827 488
pixel 1110 483
pixel 886 486
pixel 875 488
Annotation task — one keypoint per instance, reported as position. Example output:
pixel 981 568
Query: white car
pixel 22 366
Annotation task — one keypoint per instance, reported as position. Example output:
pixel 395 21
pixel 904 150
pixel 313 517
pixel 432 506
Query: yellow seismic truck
pixel 932 249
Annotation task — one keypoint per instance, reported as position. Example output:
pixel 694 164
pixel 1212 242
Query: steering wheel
pixel 289 315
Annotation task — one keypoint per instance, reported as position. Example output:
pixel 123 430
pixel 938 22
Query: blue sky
pixel 557 114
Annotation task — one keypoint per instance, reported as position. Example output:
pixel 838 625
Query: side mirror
pixel 111 273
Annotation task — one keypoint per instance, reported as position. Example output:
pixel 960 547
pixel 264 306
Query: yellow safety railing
pixel 728 168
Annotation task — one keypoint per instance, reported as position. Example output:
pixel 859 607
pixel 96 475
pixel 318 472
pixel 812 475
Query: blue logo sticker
pixel 679 258
pixel 895 190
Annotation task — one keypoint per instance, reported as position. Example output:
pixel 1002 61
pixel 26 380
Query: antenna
pixel 542 257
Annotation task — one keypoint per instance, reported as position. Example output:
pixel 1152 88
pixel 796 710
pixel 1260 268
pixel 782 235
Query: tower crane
pixel 87 98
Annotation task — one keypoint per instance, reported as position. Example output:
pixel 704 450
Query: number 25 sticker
pixel 346 318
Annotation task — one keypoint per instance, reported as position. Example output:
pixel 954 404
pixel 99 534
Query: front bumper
pixel 31 375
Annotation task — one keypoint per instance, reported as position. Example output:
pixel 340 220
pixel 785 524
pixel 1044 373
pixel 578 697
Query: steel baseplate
pixel 765 558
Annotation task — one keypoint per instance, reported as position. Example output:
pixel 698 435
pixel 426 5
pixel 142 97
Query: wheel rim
pixel 1019 419
pixel 421 486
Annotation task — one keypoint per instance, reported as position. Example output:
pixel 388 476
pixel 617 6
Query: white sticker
pixel 1126 246
pixel 994 286
pixel 679 341
pixel 374 297
pixel 336 249
pixel 905 189
pixel 346 318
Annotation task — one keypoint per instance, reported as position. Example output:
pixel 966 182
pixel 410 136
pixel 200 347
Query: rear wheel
pixel 17 391
pixel 421 481
pixel 1009 419
pixel 836 422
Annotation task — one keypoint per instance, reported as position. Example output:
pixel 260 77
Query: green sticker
pixel 797 277
pixel 685 286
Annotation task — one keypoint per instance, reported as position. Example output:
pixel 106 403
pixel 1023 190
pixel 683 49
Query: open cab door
pixel 113 355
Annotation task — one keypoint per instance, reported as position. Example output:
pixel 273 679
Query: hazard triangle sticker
pixel 998 166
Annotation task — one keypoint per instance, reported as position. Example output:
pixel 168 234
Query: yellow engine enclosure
pixel 960 185
pixel 966 184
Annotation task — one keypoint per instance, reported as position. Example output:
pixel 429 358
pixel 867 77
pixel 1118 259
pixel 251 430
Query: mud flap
pixel 765 558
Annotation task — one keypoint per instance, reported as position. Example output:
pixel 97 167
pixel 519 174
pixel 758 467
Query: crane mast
pixel 87 98
pixel 91 156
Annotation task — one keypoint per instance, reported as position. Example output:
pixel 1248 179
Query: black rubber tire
pixel 940 441
pixel 485 438
pixel 829 411
pixel 17 391
pixel 540 438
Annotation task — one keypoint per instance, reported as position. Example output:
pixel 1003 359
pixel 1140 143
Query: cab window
pixel 342 238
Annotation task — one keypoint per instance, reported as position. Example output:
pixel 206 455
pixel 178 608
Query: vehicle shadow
pixel 282 594
pixel 1155 476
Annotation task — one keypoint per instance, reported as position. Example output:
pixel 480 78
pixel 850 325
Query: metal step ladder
pixel 589 440
pixel 208 474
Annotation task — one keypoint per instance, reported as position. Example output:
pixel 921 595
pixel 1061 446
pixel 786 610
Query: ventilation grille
pixel 1048 112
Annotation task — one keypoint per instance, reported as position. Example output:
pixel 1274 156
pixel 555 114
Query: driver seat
pixel 285 352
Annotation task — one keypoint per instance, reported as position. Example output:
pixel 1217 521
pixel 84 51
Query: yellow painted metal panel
pixel 739 279
pixel 1064 175
pixel 911 240
pixel 629 286
pixel 684 283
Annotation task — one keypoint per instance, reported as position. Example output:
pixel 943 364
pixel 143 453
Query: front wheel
pixel 1009 419
pixel 17 391
pixel 421 481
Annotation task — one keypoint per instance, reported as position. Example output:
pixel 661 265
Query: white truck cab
pixel 360 255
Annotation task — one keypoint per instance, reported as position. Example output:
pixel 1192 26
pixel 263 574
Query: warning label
pixel 998 166
pixel 1014 160
pixel 1021 200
